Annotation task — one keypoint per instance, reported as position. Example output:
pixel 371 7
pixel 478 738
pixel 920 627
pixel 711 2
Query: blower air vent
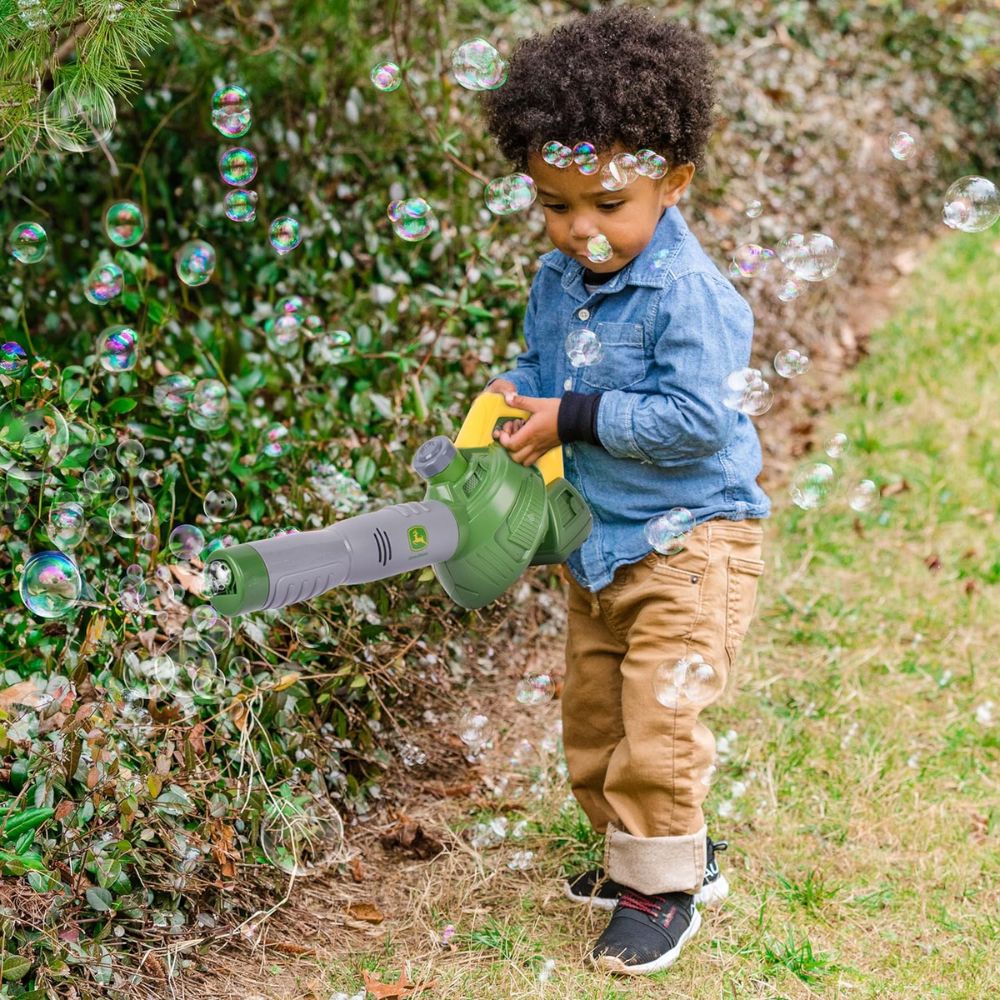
pixel 383 545
pixel 473 480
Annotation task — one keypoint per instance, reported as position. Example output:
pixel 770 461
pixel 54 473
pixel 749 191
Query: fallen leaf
pixel 970 587
pixel 196 737
pixel 368 912
pixel 24 693
pixel 193 583
pixel 357 872
pixel 95 629
pixel 394 991
pixel 288 948
pixel 286 682
pixel 932 562
pixel 63 809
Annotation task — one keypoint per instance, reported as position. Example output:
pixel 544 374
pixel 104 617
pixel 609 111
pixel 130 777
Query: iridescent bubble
pixel 752 260
pixel 104 283
pixel 619 172
pixel 283 334
pixel 291 305
pixel 583 347
pixel 124 224
pixel 240 205
pixel 186 542
pixel 412 219
pixel 747 391
pixel 130 453
pixel 28 242
pixel 837 445
pixel 195 262
pixel 231 111
pixel 812 258
pixel 172 394
pixel 533 689
pixel 276 440
pixel 208 407
pixel 690 678
pixel 118 348
pixel 651 164
pixel 790 288
pixel 556 154
pixel 510 194
pixel 77 119
pixel 285 234
pixel 67 525
pixel 477 65
pixel 386 76
pixel 129 518
pixel 13 359
pixel 971 204
pixel 811 485
pixel 790 362
pixel 237 166
pixel 214 631
pixel 474 730
pixel 100 481
pixel 902 145
pixel 668 533
pixel 34 437
pixel 599 249
pixel 50 584
pixel 219 505
pixel 331 348
pixel 753 209
pixel 585 157
pixel 863 497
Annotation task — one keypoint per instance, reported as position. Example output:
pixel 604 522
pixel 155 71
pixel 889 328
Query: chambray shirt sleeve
pixel 525 375
pixel 703 330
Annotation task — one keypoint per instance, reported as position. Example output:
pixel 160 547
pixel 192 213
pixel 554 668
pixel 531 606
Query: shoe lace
pixel 650 905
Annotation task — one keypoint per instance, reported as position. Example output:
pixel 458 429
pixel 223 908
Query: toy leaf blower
pixel 482 522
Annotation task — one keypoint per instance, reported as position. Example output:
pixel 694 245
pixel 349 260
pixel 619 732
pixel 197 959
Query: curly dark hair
pixel 617 74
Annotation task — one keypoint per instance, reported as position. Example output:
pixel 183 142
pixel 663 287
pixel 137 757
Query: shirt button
pixel 567 383
pixel 583 314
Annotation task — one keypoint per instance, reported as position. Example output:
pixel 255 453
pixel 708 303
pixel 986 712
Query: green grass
pixel 863 857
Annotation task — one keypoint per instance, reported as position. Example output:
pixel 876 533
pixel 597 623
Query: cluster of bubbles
pixel 386 76
pixel 28 242
pixel 813 484
pixel 668 533
pixel 689 679
pixel 812 257
pixel 412 219
pixel 747 391
pixel 475 731
pixel 477 65
pixel 293 323
pixel 205 402
pixel 510 194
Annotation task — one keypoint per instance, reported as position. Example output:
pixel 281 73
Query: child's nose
pixel 582 227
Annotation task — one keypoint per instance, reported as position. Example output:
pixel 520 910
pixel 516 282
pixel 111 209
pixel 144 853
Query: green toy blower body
pixel 483 521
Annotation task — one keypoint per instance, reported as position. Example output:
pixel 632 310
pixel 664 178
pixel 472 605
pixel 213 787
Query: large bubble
pixel 231 111
pixel 28 242
pixel 240 205
pixel 13 359
pixel 67 525
pixel 130 517
pixel 386 76
pixel 689 679
pixel 510 194
pixel 237 166
pixel 172 394
pixel 620 171
pixel 50 584
pixel 208 407
pixel 971 204
pixel 599 249
pixel 195 262
pixel 746 391
pixel 104 283
pixel 33 437
pixel 412 219
pixel 118 348
pixel 811 485
pixel 812 258
pixel 124 224
pixel 583 347
pixel 79 118
pixel 477 65
pixel 668 533
pixel 285 234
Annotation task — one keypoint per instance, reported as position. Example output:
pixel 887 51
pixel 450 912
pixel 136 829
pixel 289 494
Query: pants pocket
pixel 741 595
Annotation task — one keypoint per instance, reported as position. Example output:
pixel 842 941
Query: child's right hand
pixel 502 386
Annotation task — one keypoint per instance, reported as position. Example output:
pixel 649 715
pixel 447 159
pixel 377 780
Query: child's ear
pixel 674 183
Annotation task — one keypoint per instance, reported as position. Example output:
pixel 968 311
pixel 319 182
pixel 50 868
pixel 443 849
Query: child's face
pixel 577 207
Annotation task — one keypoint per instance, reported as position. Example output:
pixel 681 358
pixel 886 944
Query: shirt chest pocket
pixel 623 359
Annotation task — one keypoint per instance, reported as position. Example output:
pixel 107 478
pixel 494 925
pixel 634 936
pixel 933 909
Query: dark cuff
pixel 577 417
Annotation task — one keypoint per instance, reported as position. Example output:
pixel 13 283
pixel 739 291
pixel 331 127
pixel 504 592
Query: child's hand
pixel 527 440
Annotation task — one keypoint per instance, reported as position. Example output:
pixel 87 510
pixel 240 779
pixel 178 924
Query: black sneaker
pixel 593 889
pixel 646 933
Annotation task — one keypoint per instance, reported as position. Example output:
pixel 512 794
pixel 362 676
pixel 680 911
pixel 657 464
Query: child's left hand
pixel 533 437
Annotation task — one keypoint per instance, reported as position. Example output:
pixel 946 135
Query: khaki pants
pixel 639 768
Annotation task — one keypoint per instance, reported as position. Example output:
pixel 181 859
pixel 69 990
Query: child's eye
pixel 554 208
pixel 610 206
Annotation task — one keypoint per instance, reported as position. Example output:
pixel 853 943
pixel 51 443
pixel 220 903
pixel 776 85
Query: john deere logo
pixel 417 536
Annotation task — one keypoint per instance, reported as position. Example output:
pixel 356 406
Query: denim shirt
pixel 672 328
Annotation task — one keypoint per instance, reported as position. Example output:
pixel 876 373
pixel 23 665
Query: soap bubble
pixel 837 445
pixel 240 205
pixel 50 584
pixel 276 440
pixel 412 218
pixel 13 359
pixel 902 145
pixel 124 224
pixel 477 65
pixel 283 334
pixel 34 437
pixel 186 542
pixel 129 518
pixel 474 730
pixel 670 532
pixel 386 76
pixel 521 861
pixel 811 485
pixel 533 689
pixel 790 362
pixel 195 262
pixel 971 204
pixel 620 171
pixel 510 194
pixel 104 283
pixel 753 209
pixel 812 258
pixel 650 164
pixel 99 481
pixel 237 166
pixel 28 242
pixel 599 249
pixel 130 454
pixel 285 234
pixel 172 393
pixel 747 391
pixel 67 525
pixel 231 111
pixel 34 14
pixel 331 348
pixel 863 497
pixel 556 154
pixel 117 348
pixel 208 407
pixel 583 347
pixel 291 305
pixel 585 157
pixel 751 259
pixel 690 678
pixel 218 576
pixel 545 972
pixel 219 505
pixel 76 119
pixel 790 288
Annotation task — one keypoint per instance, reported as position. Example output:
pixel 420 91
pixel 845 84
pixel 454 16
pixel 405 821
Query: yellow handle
pixel 477 431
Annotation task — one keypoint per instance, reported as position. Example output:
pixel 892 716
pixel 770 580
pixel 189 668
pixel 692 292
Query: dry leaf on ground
pixel 394 991
pixel 368 912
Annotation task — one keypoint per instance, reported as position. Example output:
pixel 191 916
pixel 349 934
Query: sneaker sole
pixel 594 902
pixel 608 963
pixel 713 894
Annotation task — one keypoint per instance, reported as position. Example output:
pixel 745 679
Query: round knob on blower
pixel 434 456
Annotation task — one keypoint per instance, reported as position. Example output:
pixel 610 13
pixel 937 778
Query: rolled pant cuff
pixel 656 864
